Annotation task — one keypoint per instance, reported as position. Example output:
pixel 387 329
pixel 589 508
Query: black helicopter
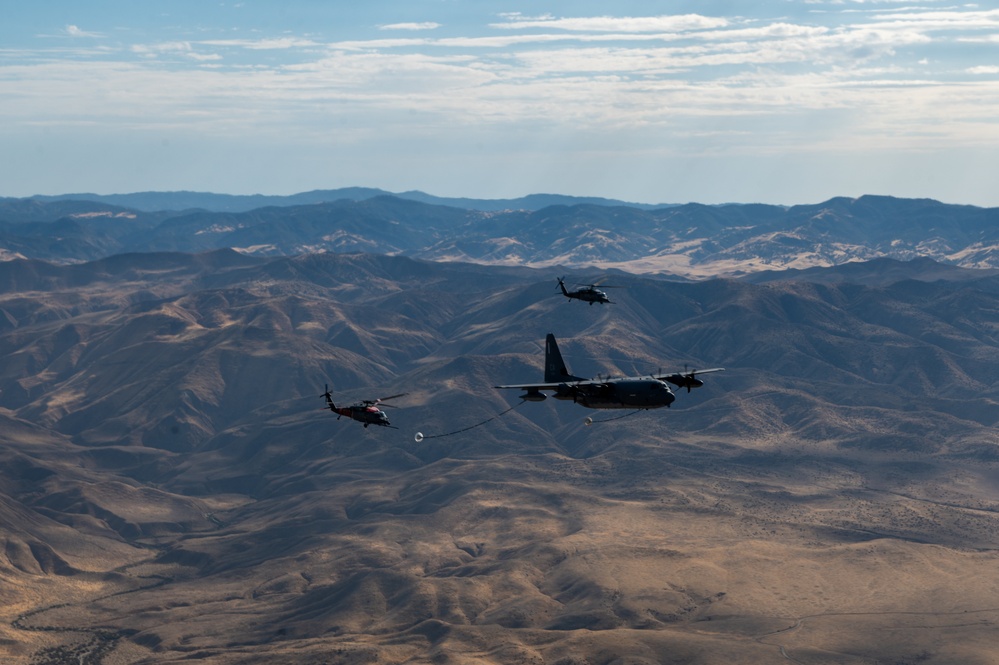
pixel 589 293
pixel 364 411
pixel 634 392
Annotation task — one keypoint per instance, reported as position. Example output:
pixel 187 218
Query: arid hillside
pixel 172 488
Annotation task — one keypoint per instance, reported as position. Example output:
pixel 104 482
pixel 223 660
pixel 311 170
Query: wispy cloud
pixel 75 31
pixel 624 70
pixel 264 44
pixel 890 76
pixel 684 23
pixel 429 25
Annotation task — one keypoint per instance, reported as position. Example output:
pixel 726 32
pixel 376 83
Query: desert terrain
pixel 172 489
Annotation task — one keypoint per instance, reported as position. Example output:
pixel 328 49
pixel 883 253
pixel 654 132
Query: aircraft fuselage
pixel 589 295
pixel 623 394
pixel 368 415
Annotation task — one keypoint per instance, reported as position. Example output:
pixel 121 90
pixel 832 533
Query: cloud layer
pixel 840 79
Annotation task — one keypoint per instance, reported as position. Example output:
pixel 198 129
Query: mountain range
pixel 173 489
pixel 179 201
pixel 690 241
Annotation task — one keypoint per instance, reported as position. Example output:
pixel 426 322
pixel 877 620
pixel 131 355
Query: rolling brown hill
pixel 172 489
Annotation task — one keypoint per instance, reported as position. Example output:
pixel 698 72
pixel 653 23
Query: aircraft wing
pixel 691 372
pixel 583 383
pixel 609 380
pixel 688 379
pixel 532 386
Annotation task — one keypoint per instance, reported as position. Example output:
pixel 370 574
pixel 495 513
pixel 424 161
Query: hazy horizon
pixel 780 102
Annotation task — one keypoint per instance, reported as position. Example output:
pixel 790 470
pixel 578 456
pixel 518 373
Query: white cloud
pixel 162 47
pixel 684 22
pixel 380 44
pixel 74 31
pixel 168 49
pixel 970 19
pixel 714 71
pixel 204 57
pixel 674 83
pixel 278 43
pixel 984 39
pixel 429 25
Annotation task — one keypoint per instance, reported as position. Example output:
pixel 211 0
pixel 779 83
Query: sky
pixel 772 101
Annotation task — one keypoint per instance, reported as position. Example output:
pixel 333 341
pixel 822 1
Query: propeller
pixel 689 378
pixel 574 391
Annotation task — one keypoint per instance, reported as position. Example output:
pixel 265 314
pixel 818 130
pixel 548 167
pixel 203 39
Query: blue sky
pixel 776 101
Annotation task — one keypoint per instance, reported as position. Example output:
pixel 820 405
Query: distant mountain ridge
pixel 185 200
pixel 691 241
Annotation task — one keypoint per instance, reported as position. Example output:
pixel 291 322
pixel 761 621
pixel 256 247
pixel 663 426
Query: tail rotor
pixel 561 286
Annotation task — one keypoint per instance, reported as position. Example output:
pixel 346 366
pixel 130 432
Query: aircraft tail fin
pixel 555 369
pixel 561 285
pixel 329 399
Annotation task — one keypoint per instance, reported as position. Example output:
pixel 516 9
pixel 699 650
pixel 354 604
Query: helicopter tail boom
pixel 561 285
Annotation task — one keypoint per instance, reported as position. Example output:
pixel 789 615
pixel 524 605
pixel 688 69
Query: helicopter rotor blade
pixel 602 286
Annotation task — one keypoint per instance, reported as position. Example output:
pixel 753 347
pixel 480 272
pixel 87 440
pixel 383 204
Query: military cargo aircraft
pixel 635 392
